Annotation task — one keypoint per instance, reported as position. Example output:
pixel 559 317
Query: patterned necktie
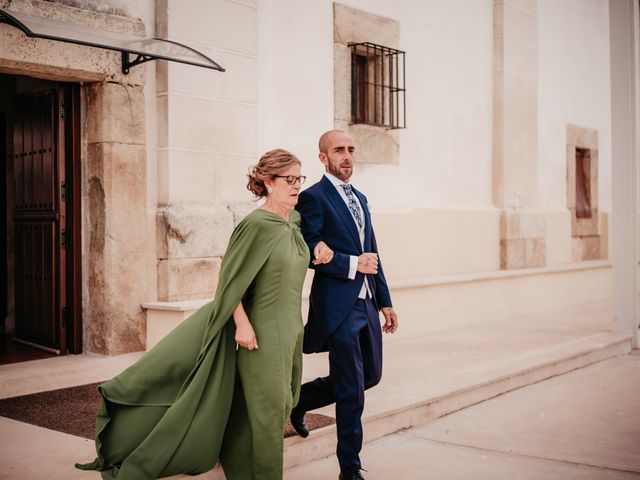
pixel 353 206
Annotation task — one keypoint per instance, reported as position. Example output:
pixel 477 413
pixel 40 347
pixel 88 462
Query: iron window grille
pixel 377 86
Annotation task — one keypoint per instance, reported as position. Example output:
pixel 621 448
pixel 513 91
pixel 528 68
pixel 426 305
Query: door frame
pixel 4 267
pixel 72 325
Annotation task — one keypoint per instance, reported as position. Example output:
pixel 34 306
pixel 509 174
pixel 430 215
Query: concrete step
pixel 322 442
pixel 582 425
pixel 440 373
pixel 561 359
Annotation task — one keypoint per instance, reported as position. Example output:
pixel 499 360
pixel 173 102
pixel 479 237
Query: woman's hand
pixel 322 253
pixel 245 336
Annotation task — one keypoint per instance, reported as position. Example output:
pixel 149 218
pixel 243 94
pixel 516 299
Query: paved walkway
pixel 584 425
pixel 424 377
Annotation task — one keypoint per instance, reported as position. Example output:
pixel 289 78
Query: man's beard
pixel 336 172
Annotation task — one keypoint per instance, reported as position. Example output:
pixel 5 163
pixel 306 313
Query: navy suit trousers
pixel 355 364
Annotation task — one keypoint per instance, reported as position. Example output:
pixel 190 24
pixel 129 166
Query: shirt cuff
pixel 353 266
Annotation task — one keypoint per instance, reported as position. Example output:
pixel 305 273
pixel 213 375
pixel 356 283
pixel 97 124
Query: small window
pixel 583 183
pixel 377 86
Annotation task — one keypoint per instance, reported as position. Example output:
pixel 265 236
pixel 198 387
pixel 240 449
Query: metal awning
pixel 145 49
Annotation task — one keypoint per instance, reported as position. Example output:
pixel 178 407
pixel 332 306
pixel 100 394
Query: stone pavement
pixel 425 378
pixel 582 425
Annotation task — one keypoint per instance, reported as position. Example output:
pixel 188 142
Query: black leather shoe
pixel 297 420
pixel 357 475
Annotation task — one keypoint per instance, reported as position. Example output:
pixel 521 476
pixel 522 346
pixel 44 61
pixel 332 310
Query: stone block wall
pixel 191 241
pixel 522 239
pixel 114 211
pixel 207 134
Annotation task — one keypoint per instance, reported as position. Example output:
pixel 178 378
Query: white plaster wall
pixel 445 153
pixel 574 87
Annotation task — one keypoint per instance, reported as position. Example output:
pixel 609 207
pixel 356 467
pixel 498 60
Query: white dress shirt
pixel 353 260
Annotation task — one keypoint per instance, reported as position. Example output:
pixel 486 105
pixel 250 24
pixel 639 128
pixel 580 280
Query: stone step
pixel 322 442
pixel 494 377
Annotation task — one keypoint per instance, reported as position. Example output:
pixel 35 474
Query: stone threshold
pixel 177 306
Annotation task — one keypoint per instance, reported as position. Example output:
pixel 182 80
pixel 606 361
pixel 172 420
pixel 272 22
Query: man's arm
pixel 312 226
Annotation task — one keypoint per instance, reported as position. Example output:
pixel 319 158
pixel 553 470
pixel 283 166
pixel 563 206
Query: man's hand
pixel 322 254
pixel 368 263
pixel 391 320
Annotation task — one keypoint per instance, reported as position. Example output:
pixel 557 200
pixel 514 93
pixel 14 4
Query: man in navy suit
pixel 346 297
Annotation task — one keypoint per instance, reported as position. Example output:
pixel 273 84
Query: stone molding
pixel 193 231
pixel 585 232
pixel 191 241
pixel 55 60
pixel 373 144
pixel 115 114
pixel 582 137
pixel 114 229
pixel 98 15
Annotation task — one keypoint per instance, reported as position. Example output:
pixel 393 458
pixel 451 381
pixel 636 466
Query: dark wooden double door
pixel 45 154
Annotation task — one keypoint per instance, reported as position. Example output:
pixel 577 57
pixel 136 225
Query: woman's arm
pixel 245 336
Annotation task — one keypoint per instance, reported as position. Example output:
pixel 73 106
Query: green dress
pixel 194 398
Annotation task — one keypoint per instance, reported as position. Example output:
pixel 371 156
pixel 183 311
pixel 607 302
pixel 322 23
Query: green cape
pixel 167 413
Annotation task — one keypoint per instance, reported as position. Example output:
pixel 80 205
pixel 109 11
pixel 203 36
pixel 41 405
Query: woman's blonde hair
pixel 269 165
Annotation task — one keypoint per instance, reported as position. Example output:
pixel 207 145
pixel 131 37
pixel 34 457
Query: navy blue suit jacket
pixel 326 217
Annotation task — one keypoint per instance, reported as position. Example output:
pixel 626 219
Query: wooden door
pixel 4 258
pixel 40 235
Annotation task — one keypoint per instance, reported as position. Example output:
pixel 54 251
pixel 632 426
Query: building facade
pixel 495 196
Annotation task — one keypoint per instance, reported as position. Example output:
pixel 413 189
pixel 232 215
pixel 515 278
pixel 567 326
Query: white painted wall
pixel 278 92
pixel 574 87
pixel 295 77
pixel 445 153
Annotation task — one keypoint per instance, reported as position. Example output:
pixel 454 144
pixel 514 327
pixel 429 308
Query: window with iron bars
pixel 377 86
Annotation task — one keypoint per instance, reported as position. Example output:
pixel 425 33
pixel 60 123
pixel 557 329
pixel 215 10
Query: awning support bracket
pixel 127 64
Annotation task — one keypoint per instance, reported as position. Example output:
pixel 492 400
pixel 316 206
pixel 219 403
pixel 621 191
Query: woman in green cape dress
pixel 195 397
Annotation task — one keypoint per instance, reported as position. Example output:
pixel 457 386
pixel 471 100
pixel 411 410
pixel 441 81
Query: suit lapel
pixel 341 209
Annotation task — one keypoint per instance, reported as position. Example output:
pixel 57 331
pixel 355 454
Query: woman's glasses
pixel 292 179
